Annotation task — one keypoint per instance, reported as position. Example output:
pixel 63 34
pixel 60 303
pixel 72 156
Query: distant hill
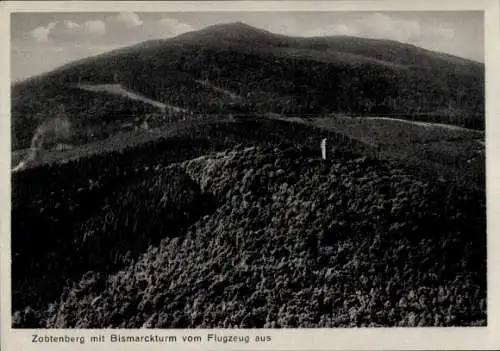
pixel 236 68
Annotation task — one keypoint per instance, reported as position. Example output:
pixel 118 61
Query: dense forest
pixel 242 217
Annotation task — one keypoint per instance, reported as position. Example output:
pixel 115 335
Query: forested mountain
pixel 227 215
pixel 266 72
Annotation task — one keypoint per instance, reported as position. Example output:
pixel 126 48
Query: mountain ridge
pixel 229 26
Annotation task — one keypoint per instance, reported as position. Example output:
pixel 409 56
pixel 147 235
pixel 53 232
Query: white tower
pixel 323 149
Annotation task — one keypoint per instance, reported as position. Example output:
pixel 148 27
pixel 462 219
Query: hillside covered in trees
pixel 235 67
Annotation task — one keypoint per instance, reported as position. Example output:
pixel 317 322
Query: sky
pixel 41 42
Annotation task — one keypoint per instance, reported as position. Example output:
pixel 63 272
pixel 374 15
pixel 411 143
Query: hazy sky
pixel 44 41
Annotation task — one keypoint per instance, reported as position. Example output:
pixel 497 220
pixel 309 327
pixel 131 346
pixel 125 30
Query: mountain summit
pixel 234 30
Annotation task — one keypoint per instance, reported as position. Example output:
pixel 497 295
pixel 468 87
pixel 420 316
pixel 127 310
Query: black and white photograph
pixel 248 169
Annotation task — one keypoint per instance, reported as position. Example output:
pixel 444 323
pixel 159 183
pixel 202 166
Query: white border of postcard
pixel 282 339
